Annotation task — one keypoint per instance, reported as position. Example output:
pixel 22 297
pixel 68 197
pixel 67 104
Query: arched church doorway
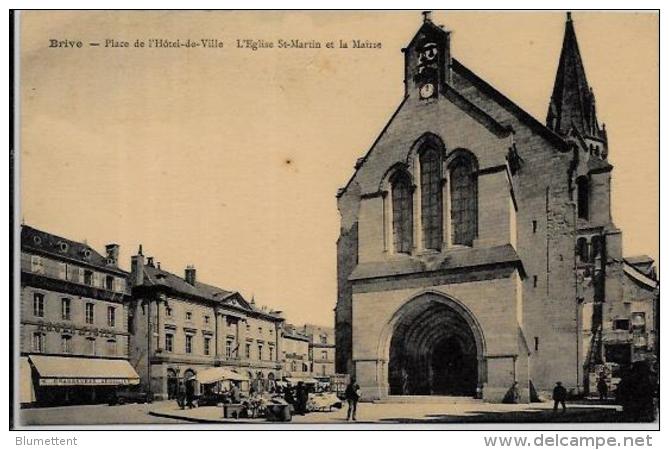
pixel 434 350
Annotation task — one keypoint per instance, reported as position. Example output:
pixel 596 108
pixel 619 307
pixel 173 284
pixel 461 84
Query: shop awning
pixel 64 371
pixel 215 374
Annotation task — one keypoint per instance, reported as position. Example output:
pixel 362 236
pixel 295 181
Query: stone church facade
pixel 472 236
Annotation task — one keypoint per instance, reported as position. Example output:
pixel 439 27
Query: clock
pixel 427 90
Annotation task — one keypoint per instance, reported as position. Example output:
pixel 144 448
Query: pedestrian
pixel 301 396
pixel 352 395
pixel 181 395
pixel 559 397
pixel 602 388
pixel 235 393
pixel 512 395
pixel 190 393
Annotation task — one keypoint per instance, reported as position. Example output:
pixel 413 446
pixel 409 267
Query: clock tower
pixel 427 61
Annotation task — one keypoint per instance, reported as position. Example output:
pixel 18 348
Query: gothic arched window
pixel 464 200
pixel 402 202
pixel 431 200
pixel 583 194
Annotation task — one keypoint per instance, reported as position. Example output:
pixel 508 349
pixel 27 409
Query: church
pixel 477 248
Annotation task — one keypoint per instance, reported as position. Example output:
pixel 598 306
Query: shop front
pixel 61 380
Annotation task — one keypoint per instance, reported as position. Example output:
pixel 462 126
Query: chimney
pixel 112 254
pixel 149 261
pixel 137 268
pixel 190 275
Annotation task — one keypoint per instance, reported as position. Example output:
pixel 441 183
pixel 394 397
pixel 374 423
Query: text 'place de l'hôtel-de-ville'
pixel 476 250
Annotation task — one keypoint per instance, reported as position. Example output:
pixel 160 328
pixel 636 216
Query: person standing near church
pixel 559 397
pixel 352 395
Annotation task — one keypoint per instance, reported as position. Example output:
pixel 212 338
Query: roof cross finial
pixel 427 16
pixel 568 16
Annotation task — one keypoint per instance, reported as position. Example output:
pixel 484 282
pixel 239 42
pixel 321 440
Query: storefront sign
pixel 86 381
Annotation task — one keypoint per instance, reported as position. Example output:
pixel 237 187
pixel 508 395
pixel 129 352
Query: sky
pixel 230 159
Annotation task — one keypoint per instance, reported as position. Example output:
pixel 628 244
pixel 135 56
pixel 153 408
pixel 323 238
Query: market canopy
pixel 214 374
pixel 64 371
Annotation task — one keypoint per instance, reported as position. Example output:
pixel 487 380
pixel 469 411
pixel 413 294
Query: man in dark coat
pixel 301 397
pixel 190 393
pixel 602 388
pixel 559 397
pixel 352 395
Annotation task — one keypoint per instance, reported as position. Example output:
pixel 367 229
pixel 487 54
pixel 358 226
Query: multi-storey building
pixel 477 247
pixel 179 326
pixel 296 355
pixel 321 350
pixel 73 320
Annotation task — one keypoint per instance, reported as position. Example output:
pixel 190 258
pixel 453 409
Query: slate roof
pixel 154 276
pixel 41 242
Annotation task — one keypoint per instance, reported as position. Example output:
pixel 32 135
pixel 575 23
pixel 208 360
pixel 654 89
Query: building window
pixel 109 283
pixel 536 343
pixel 111 347
pixel 597 247
pixel 324 355
pixel 305 367
pixel 38 304
pixel 207 342
pixel 189 343
pixel 323 370
pixel 111 316
pixel 431 200
pixel 535 281
pixel 260 352
pixel 88 277
pixel 90 313
pixel 66 343
pixel 189 315
pixel 583 197
pixel 228 348
pixel 402 203
pixel 248 351
pixel 582 249
pixel 206 320
pixel 168 311
pixel 534 226
pixel 66 313
pixel 259 330
pixel 464 201
pixel 324 339
pixel 38 342
pixel 293 366
pixel 90 343
pixel 36 264
pixel 271 353
pixel 621 324
pixel 169 343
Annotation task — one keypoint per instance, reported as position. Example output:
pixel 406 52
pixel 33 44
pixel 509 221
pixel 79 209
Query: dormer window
pixel 37 240
pixel 63 246
pixel 87 253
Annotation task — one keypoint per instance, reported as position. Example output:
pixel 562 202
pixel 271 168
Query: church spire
pixel 572 104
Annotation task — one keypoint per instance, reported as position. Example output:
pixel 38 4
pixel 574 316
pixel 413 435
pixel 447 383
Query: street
pixel 93 415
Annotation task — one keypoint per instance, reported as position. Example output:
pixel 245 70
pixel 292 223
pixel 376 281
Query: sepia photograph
pixel 332 219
